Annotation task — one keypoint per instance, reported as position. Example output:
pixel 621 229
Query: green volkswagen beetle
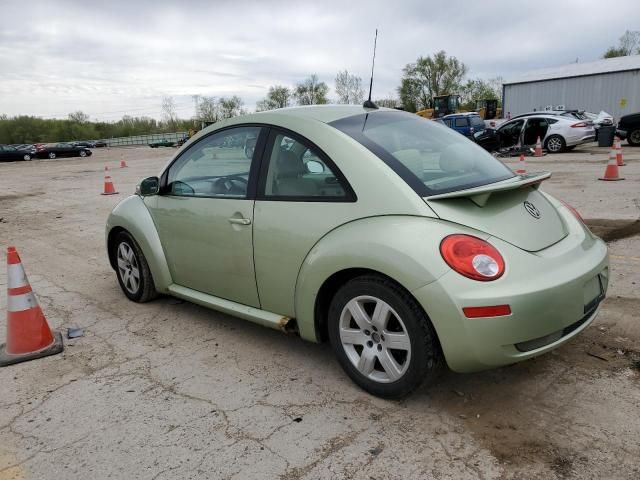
pixel 394 238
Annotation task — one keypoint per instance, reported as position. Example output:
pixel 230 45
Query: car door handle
pixel 240 221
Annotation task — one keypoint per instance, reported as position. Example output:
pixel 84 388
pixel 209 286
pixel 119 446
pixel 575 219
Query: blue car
pixel 465 123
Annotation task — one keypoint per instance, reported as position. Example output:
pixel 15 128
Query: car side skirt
pixel 255 315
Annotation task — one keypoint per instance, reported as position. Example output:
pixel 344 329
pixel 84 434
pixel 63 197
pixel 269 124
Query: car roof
pixel 322 113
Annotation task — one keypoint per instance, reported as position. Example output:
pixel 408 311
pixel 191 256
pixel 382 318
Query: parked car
pixel 340 228
pixel 162 143
pixel 9 153
pixel 182 141
pixel 630 124
pixel 26 147
pixel 558 133
pixel 100 144
pixel 85 143
pixel 54 150
pixel 465 123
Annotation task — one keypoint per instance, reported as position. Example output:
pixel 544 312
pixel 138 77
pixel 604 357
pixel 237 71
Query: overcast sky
pixel 117 57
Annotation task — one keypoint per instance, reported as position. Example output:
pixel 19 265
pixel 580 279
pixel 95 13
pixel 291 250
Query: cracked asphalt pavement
pixel 171 390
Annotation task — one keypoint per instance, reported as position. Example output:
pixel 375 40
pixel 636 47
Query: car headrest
pixel 289 165
pixel 457 158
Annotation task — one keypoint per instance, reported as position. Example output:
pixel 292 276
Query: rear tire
pixel 52 155
pixel 132 270
pixel 633 137
pixel 555 144
pixel 27 157
pixel 387 355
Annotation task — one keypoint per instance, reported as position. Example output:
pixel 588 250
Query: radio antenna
pixel 368 103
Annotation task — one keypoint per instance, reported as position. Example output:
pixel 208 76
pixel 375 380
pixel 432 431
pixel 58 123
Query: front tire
pixel 132 270
pixel 52 155
pixel 83 153
pixel 26 157
pixel 555 144
pixel 382 338
pixel 633 137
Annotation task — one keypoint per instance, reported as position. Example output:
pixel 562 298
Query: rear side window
pixel 432 159
pixel 462 122
pixel 297 171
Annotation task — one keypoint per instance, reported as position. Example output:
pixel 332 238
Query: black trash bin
pixel 605 136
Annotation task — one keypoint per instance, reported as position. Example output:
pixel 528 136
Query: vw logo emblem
pixel 531 208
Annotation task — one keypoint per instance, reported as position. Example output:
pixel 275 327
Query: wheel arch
pixel 404 249
pixel 131 216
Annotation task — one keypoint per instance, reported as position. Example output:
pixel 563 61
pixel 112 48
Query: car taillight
pixel 579 125
pixel 573 210
pixel 472 257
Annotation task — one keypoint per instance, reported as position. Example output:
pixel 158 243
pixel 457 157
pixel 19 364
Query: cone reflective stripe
pixel 522 165
pixel 28 333
pixel 611 172
pixel 109 189
pixel 538 150
pixel 619 158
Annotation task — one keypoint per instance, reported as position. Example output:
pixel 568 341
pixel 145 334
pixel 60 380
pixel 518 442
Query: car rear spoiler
pixel 480 195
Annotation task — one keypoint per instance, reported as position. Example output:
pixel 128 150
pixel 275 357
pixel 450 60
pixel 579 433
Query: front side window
pixel 462 122
pixel 216 166
pixel 298 171
pixel 431 158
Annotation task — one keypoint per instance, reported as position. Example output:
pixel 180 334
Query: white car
pixel 557 132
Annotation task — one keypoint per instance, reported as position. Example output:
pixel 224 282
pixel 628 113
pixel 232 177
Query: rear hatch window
pixel 431 158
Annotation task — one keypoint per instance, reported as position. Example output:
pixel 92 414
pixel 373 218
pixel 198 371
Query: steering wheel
pixel 233 184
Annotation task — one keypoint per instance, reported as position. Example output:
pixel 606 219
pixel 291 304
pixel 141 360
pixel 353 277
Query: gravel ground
pixel 172 390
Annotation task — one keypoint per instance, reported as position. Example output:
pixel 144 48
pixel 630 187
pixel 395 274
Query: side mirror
pixel 148 186
pixel 314 167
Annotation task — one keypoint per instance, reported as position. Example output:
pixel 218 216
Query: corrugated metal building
pixel 612 85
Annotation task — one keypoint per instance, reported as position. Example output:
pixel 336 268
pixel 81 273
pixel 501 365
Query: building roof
pixel 608 65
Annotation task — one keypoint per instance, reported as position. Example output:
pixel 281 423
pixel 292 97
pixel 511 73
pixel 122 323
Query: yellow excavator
pixel 442 105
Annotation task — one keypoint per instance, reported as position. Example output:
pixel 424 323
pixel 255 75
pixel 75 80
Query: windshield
pixel 430 157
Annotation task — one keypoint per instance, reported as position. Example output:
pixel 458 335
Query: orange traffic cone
pixel 28 333
pixel 522 165
pixel 538 150
pixel 109 189
pixel 611 172
pixel 123 164
pixel 619 158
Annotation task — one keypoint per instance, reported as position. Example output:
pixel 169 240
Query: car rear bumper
pixel 553 294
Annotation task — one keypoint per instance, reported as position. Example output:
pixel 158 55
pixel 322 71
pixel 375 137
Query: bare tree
pixel 349 88
pixel 279 96
pixel 311 91
pixel 628 44
pixel 169 114
pixel 79 117
pixel 208 110
pixel 389 102
pixel 230 107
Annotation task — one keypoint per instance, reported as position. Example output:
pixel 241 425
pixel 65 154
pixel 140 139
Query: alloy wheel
pixel 554 144
pixel 128 268
pixel 635 137
pixel 375 339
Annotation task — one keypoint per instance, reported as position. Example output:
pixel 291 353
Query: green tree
pixel 278 96
pixel 628 44
pixel 387 102
pixel 349 88
pixel 230 107
pixel 311 91
pixel 477 89
pixel 428 77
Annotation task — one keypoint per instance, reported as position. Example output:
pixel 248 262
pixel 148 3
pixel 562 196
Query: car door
pixel 301 196
pixel 509 133
pixel 204 216
pixel 536 127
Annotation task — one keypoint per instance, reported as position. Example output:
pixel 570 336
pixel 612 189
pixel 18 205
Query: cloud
pixel 123 56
